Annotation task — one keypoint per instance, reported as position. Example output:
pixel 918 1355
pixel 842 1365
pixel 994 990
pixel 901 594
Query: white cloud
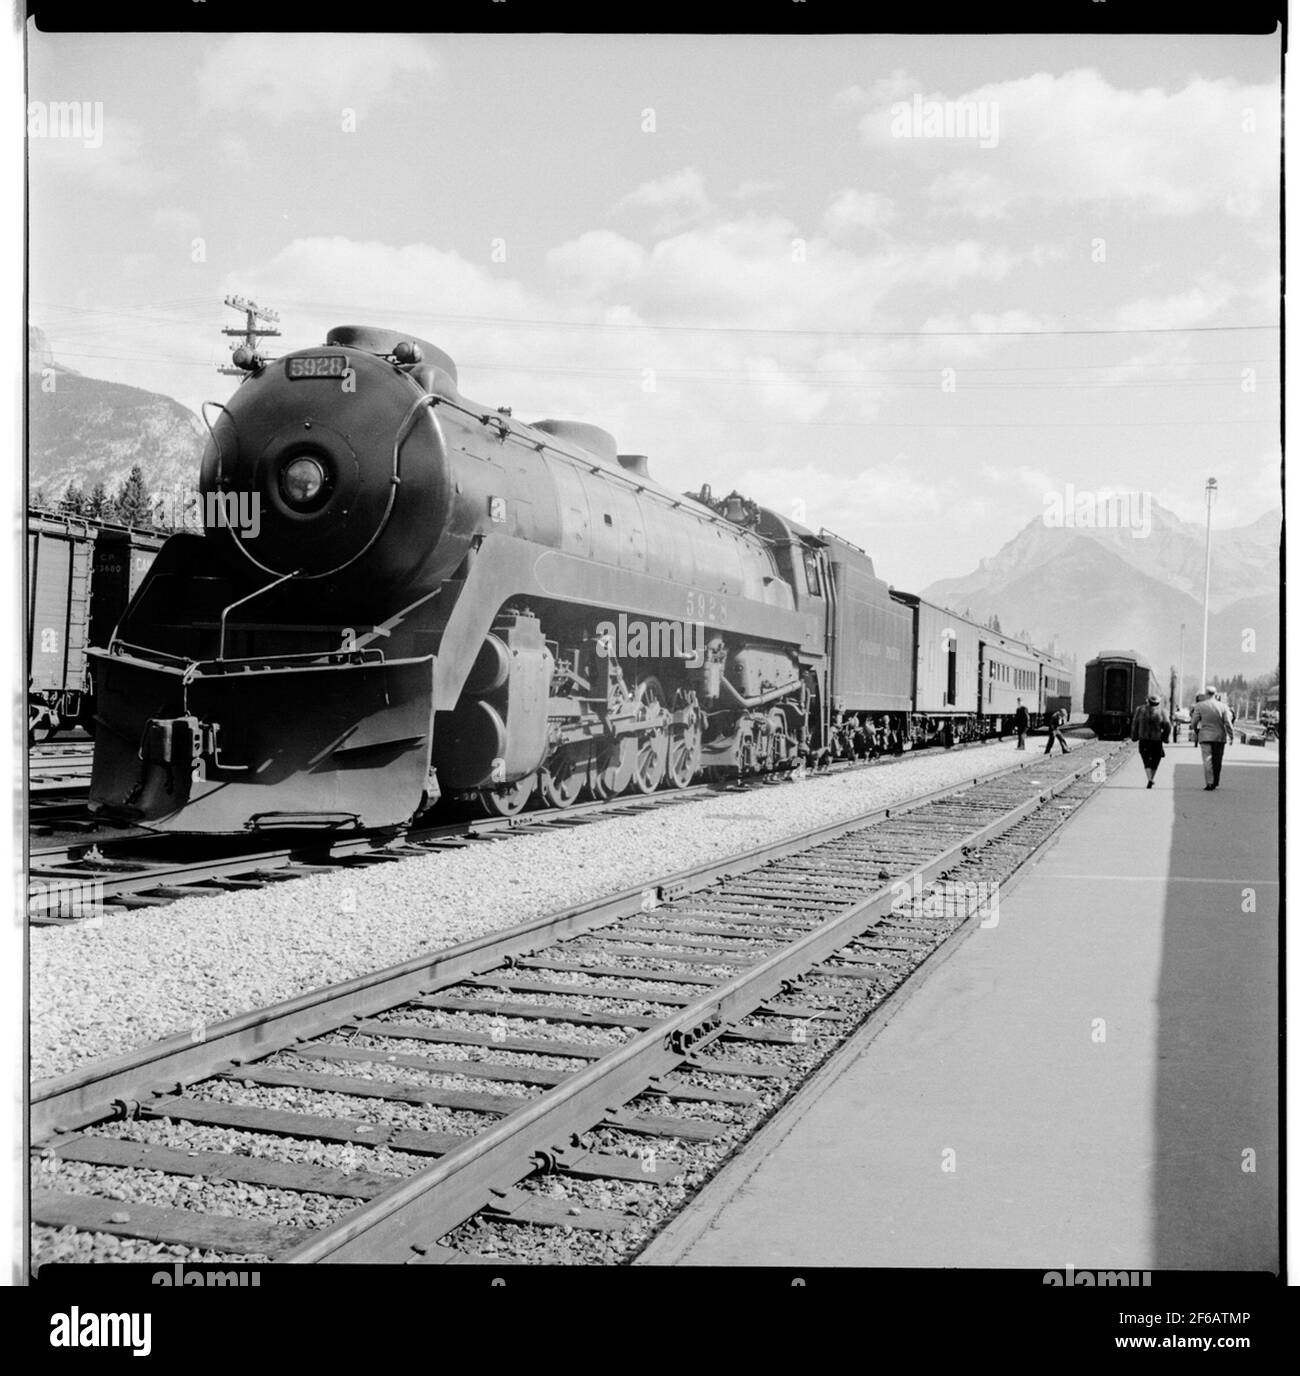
pixel 114 162
pixel 259 76
pixel 1076 139
pixel 679 196
pixel 896 86
pixel 175 222
pixel 853 210
pixel 753 187
pixel 596 262
pixel 1020 477
pixel 1195 306
pixel 889 493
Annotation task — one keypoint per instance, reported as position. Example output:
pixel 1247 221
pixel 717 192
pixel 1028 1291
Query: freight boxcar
pixel 123 555
pixel 1115 685
pixel 81 573
pixel 60 569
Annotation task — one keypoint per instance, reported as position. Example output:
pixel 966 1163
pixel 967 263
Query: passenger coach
pixel 1115 685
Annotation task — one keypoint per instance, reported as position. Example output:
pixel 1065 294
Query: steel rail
pixel 412 1216
pixel 73 861
pixel 93 1092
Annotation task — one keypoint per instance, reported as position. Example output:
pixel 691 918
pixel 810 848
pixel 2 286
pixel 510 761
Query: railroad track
pixel 549 1081
pixel 98 874
pixel 59 771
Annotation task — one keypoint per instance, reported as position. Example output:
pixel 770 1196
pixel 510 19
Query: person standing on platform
pixel 1231 715
pixel 1054 724
pixel 1180 719
pixel 1212 728
pixel 1193 725
pixel 1022 724
pixel 1151 731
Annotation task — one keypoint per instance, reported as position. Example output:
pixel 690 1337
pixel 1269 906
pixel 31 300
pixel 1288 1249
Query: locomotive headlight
pixel 301 481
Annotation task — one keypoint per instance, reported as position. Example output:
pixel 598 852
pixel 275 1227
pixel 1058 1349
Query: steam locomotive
pixel 435 599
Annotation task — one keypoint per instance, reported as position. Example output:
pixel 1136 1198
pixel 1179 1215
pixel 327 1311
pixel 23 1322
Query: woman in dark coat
pixel 1151 731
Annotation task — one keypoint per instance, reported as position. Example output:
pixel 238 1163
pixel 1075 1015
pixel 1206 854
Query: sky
pixel 911 289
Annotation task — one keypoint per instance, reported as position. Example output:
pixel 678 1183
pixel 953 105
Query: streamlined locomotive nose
pixel 344 461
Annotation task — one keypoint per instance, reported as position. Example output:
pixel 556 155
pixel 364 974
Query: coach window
pixel 812 572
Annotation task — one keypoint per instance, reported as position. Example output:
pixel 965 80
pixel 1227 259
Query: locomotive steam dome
pixel 341 454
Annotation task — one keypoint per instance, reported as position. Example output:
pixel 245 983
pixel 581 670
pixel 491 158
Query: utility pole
pixel 1182 634
pixel 1211 488
pixel 250 334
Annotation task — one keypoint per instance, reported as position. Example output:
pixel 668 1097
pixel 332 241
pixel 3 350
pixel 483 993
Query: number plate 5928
pixel 318 365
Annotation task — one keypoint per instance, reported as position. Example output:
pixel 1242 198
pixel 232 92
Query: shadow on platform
pixel 1215 1191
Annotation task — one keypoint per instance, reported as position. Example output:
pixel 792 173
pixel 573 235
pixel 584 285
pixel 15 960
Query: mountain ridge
pixel 85 430
pixel 1090 587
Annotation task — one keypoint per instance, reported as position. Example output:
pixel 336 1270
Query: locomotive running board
pixel 184 750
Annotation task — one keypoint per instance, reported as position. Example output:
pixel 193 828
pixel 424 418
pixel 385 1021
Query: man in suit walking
pixel 1212 728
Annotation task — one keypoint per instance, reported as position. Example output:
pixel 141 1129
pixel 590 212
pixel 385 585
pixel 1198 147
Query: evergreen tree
pixel 39 500
pixel 99 504
pixel 73 500
pixel 134 506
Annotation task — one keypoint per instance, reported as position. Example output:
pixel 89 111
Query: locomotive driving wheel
pixel 610 770
pixel 685 747
pixel 652 745
pixel 560 781
pixel 509 799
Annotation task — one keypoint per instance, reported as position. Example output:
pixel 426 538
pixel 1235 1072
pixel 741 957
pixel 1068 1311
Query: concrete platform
pixel 1092 1082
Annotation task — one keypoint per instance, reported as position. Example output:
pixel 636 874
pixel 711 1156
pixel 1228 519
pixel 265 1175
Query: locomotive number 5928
pixel 706 607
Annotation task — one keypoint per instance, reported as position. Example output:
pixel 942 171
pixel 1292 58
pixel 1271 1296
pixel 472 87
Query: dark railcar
pixel 1115 685
pixel 123 555
pixel 60 564
pixel 870 636
pixel 81 574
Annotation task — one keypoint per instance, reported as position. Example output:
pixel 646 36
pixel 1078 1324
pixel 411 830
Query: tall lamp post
pixel 1182 634
pixel 1211 488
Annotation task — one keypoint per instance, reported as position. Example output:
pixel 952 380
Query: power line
pixel 1015 425
pixel 818 378
pixel 317 306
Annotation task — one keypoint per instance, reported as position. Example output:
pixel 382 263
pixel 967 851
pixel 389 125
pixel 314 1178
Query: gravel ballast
pixel 99 990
